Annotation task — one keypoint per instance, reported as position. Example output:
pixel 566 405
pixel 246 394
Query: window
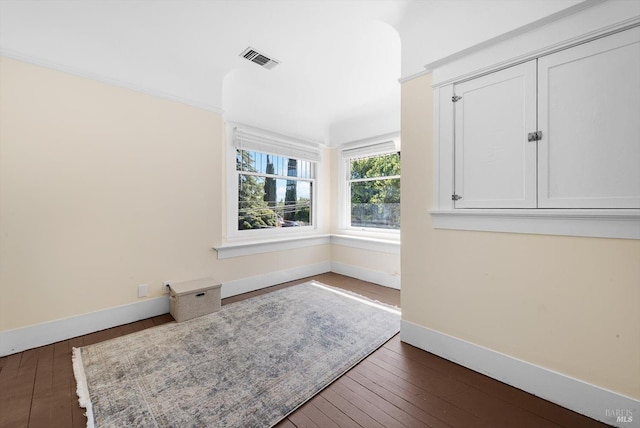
pixel 371 194
pixel 273 191
pixel 274 188
pixel 374 191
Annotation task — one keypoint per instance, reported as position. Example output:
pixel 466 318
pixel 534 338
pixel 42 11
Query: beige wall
pixel 564 303
pixel 378 261
pixel 102 189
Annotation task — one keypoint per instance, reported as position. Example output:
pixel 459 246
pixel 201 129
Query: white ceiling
pixel 340 60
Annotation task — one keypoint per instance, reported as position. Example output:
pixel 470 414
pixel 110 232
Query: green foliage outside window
pixel 253 210
pixel 375 191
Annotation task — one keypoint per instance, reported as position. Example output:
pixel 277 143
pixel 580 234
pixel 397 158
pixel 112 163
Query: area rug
pixel 248 365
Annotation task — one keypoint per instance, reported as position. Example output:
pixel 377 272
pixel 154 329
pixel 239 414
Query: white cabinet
pixel 495 166
pixel 575 79
pixel 585 103
pixel 589 113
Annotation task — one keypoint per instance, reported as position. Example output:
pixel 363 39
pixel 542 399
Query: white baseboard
pixel 252 283
pixel 20 339
pixel 590 400
pixel 377 277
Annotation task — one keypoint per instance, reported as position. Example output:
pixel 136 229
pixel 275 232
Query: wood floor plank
pixel 62 365
pixel 61 404
pixel 495 411
pixel 132 327
pixel 380 402
pixel 92 338
pixel 421 376
pixel 15 400
pixel 29 361
pixel 285 423
pixel 447 368
pixel 333 412
pixel 426 401
pixel 368 408
pixel 112 333
pixel 41 405
pixel 516 397
pixel 383 294
pixel 349 409
pixel 16 388
pixel 162 319
pixel 62 377
pixel 76 342
pixel 148 323
pixel 398 399
pixel 314 414
pixel 10 368
pixel 301 420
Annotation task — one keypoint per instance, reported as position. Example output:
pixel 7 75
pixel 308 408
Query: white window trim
pixel 261 140
pixel 596 20
pixel 382 144
pixel 589 223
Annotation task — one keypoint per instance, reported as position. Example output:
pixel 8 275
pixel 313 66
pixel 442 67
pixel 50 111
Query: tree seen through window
pixel 273 191
pixel 374 186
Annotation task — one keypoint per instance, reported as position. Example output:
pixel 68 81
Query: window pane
pixel 376 204
pixel 295 209
pixel 265 202
pixel 253 211
pixel 264 163
pixel 375 166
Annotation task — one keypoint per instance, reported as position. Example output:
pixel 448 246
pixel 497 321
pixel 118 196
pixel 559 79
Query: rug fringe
pixel 82 390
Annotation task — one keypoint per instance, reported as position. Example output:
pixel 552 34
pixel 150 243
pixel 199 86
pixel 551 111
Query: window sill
pixel 247 248
pixel 623 224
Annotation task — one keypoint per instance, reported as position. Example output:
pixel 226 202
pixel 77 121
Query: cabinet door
pixel 495 164
pixel 589 115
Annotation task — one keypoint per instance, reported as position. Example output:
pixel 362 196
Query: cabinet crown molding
pixel 588 20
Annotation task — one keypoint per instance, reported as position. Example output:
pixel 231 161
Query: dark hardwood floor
pixel 396 386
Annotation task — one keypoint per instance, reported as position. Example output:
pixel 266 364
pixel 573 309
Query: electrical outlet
pixel 143 289
pixel 165 286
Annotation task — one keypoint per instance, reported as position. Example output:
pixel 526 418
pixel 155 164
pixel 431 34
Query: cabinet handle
pixel 534 136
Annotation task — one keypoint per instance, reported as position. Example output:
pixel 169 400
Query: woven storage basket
pixel 191 299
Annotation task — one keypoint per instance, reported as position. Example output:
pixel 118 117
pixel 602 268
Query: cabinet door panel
pixel 589 114
pixel 495 165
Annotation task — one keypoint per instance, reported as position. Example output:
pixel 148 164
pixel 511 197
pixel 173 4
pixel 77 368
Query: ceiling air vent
pixel 260 59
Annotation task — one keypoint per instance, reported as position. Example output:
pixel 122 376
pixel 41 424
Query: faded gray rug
pixel 248 365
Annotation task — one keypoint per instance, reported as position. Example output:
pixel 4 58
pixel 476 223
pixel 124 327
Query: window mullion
pixel 382 177
pixel 281 177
